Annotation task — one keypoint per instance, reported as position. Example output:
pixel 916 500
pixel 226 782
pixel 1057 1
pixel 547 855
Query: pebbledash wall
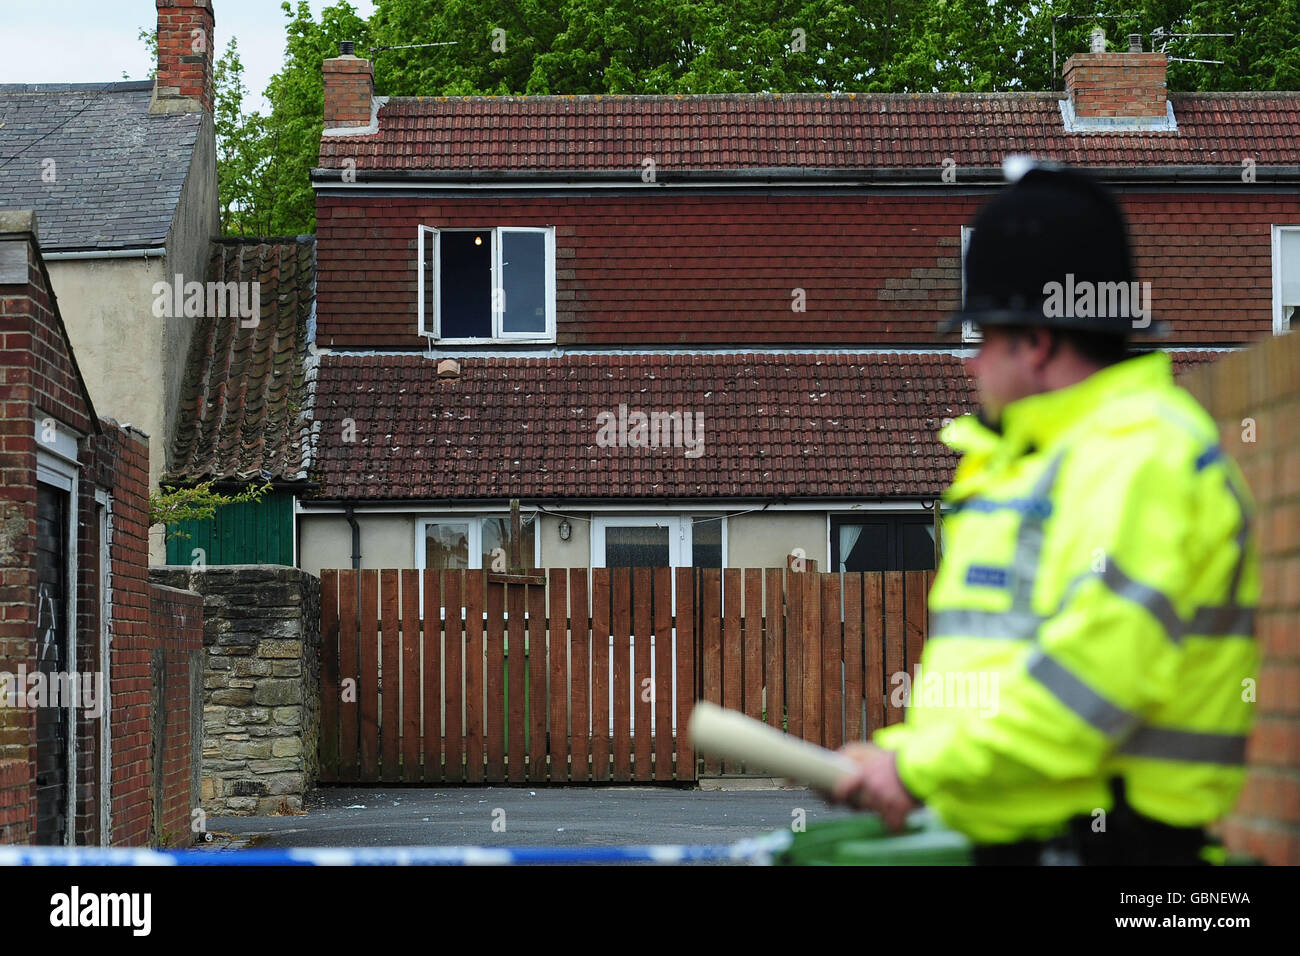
pixel 261 697
pixel 1255 397
pixel 148 741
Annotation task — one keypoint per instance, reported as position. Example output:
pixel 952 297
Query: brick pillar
pixel 349 88
pixel 1130 85
pixel 184 83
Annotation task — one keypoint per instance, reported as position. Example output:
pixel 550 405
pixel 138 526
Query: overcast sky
pixel 94 41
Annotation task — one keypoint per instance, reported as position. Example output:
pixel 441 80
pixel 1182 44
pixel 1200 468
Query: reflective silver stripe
pixel 1106 717
pixel 967 622
pixel 1029 540
pixel 1020 623
pixel 1157 602
pixel 1187 745
pixel 1230 620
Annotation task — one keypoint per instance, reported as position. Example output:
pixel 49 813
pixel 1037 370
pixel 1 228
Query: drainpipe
pixel 356 539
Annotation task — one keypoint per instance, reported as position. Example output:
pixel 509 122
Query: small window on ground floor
pixel 471 542
pixel 882 543
pixel 656 541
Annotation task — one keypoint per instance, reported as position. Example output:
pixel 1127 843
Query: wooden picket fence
pixel 577 676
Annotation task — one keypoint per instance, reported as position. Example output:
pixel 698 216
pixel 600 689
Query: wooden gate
pixel 475 677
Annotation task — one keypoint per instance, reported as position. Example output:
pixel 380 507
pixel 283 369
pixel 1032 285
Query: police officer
pixel 1098 572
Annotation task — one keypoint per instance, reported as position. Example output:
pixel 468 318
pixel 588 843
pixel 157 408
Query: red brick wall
pixel 1263 384
pixel 38 377
pixel 1117 84
pixel 15 787
pixel 176 629
pixel 156 633
pixel 181 66
pixel 674 269
pixel 349 88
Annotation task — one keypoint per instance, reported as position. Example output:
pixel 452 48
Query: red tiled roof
pixel 244 387
pixel 1184 361
pixel 773 425
pixel 802 131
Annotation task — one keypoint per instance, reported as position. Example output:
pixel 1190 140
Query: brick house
pixel 111 758
pixel 521 297
pixel 123 178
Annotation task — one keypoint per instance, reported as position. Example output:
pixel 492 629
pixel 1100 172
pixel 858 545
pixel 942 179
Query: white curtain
pixel 849 534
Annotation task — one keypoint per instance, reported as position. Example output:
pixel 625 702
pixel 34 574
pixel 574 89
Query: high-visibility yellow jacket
pixel 1098 575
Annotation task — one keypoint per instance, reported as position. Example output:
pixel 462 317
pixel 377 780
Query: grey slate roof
pixel 118 170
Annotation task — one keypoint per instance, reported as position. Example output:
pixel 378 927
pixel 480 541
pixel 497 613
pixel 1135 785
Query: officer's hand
pixel 876 785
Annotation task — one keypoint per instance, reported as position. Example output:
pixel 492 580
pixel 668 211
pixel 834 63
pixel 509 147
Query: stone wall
pixel 261 712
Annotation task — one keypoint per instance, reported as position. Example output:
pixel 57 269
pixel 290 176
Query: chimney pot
pixel 1135 43
pixel 1097 40
pixel 346 47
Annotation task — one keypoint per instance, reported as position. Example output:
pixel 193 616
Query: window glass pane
pixel 465 261
pixel 446 545
pixel 863 546
pixel 1290 265
pixel 636 547
pixel 523 280
pixel 706 542
pixel 916 546
pixel 496 534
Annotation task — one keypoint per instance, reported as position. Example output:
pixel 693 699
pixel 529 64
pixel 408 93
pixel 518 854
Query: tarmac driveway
pixel 513 816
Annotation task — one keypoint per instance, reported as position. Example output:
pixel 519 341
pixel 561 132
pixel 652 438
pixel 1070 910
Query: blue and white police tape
pixel 758 850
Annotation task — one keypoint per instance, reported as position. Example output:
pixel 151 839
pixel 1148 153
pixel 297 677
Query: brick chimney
pixel 349 89
pixel 1125 86
pixel 184 83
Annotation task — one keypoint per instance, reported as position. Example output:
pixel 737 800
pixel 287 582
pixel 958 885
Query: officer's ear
pixel 1041 343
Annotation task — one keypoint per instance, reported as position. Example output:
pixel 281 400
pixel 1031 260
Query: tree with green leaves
pixel 534 47
pixel 172 506
pixel 297 98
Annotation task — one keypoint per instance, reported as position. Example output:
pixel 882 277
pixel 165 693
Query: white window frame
pixel 679 535
pixel 1279 321
pixel 427 244
pixel 969 333
pixel 104 504
pixel 475 521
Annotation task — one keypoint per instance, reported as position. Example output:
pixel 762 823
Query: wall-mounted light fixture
pixel 565 530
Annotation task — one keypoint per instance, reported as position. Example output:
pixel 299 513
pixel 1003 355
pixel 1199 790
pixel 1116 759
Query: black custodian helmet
pixel 1052 249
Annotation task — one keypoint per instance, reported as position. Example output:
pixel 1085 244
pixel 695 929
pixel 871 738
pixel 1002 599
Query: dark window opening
pixel 885 543
pixel 465 271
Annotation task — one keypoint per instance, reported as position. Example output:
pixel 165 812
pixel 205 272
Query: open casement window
pixel 487 285
pixel 969 333
pixel 1286 278
pixel 882 543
